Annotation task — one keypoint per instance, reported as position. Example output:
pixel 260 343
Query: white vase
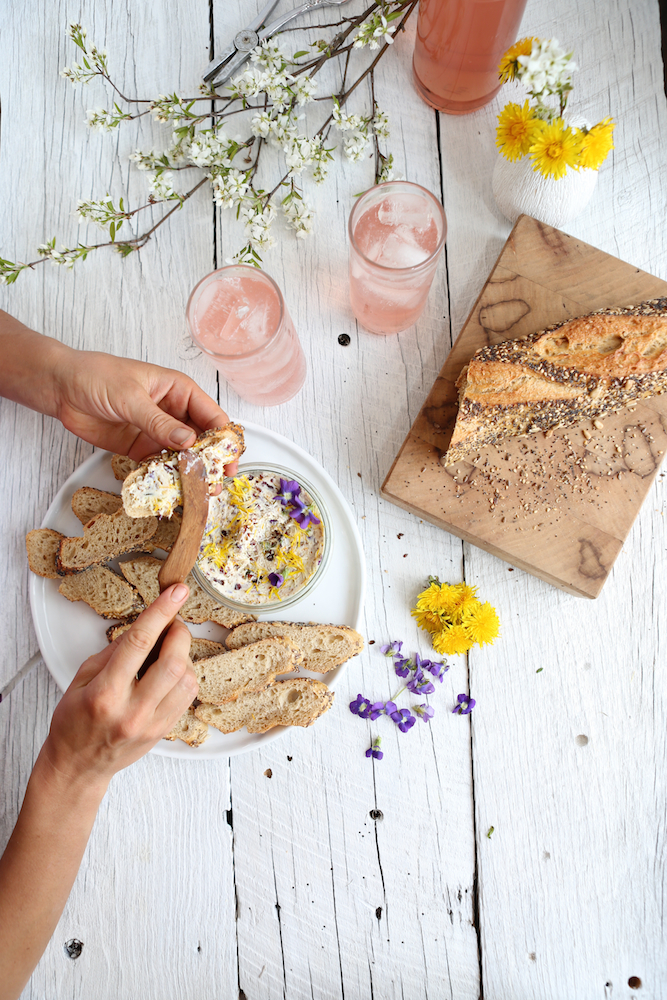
pixel 519 189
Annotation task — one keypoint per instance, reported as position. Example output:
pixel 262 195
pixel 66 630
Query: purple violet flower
pixel 403 718
pixel 374 749
pixel 289 491
pixel 390 708
pixel 425 712
pixel 465 704
pixel 438 670
pixel 392 648
pixel 304 517
pixel 276 579
pixel 376 710
pixel 402 667
pixel 361 706
pixel 419 685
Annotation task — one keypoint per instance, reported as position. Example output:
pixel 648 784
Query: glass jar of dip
pixel 267 541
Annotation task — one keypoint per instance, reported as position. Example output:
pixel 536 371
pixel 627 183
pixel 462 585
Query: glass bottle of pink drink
pixel 238 317
pixel 457 50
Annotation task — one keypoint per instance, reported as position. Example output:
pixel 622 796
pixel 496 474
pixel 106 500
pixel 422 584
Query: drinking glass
pixel 238 317
pixel 458 47
pixel 397 231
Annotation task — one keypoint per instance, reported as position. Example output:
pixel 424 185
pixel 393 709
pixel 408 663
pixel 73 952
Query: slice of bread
pixel 87 502
pixel 167 532
pixel 190 729
pixel 155 487
pixel 200 649
pixel 122 466
pixel 104 591
pixel 142 572
pixel 296 702
pixel 223 678
pixel 324 647
pixel 42 545
pixel 106 536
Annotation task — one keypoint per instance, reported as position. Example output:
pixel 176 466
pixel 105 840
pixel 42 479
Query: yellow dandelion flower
pixel 453 640
pixel 509 64
pixel 596 144
pixel 466 599
pixel 555 148
pixel 427 620
pixel 438 599
pixel 482 625
pixel 517 130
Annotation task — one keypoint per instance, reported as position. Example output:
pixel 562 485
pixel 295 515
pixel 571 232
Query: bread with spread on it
pixel 155 487
pixel 296 702
pixel 576 370
pixel 324 647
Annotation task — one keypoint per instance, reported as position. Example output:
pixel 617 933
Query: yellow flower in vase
pixel 555 148
pixel 517 130
pixel 596 144
pixel 509 64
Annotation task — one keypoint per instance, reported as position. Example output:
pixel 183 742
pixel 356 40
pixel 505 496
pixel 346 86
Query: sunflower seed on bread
pixel 122 466
pixel 190 729
pixel 576 370
pixel 42 545
pixel 104 591
pixel 87 502
pixel 223 678
pixel 296 702
pixel 104 537
pixel 142 572
pixel 324 647
pixel 155 487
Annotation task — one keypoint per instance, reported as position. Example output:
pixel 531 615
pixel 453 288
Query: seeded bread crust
pixel 42 545
pixel 576 370
pixel 296 702
pixel 143 495
pixel 324 647
pixel 104 537
pixel 225 677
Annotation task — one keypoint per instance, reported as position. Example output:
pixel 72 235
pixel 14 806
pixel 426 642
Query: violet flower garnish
pixel 403 718
pixel 374 749
pixel 361 706
pixel 465 704
pixel 304 517
pixel 392 648
pixel 276 579
pixel 289 491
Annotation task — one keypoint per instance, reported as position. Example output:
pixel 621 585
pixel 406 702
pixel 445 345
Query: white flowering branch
pixel 270 92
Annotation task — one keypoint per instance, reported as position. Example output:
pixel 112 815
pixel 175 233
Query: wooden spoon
pixel 185 549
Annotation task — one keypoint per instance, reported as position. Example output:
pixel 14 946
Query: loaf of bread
pixel 104 591
pixel 296 702
pixel 573 371
pixel 324 647
pixel 224 677
pixel 105 537
pixel 43 545
pixel 155 487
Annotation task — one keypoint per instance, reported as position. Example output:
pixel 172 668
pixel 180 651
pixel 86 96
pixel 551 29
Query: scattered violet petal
pixel 376 710
pixel 276 579
pixel 392 648
pixel 403 718
pixel 402 667
pixel 361 706
pixel 425 712
pixel 465 704
pixel 374 749
pixel 439 670
pixel 420 686
pixel 390 708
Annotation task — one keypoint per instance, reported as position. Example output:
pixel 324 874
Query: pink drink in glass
pixel 397 231
pixel 238 317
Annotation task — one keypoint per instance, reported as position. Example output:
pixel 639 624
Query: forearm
pixel 39 866
pixel 28 362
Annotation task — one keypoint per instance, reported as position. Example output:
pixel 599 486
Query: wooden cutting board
pixel 557 505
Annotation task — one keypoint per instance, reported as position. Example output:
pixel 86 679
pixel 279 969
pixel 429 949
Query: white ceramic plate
pixel 68 633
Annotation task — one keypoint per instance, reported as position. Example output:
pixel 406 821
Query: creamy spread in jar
pixel 264 539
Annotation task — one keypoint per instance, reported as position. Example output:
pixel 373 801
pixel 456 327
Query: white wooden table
pixel 338 876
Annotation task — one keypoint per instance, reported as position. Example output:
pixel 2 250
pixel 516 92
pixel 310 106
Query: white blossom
pixel 304 87
pixel 375 30
pixel 78 74
pixel 300 152
pixel 380 124
pixel 229 187
pixel 210 149
pixel 354 146
pixel 258 224
pixel 547 70
pixel 144 161
pixel 270 55
pixel 161 187
pixel 100 120
pixel 299 217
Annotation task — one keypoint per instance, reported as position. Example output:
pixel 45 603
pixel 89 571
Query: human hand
pixel 107 719
pixel 130 407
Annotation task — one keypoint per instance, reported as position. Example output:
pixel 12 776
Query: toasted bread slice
pixel 190 729
pixel 200 648
pixel 42 545
pixel 142 572
pixel 296 702
pixel 122 466
pixel 155 487
pixel 573 371
pixel 104 591
pixel 223 678
pixel 324 647
pixel 106 536
pixel 87 502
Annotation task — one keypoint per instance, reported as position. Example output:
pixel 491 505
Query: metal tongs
pixel 233 57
